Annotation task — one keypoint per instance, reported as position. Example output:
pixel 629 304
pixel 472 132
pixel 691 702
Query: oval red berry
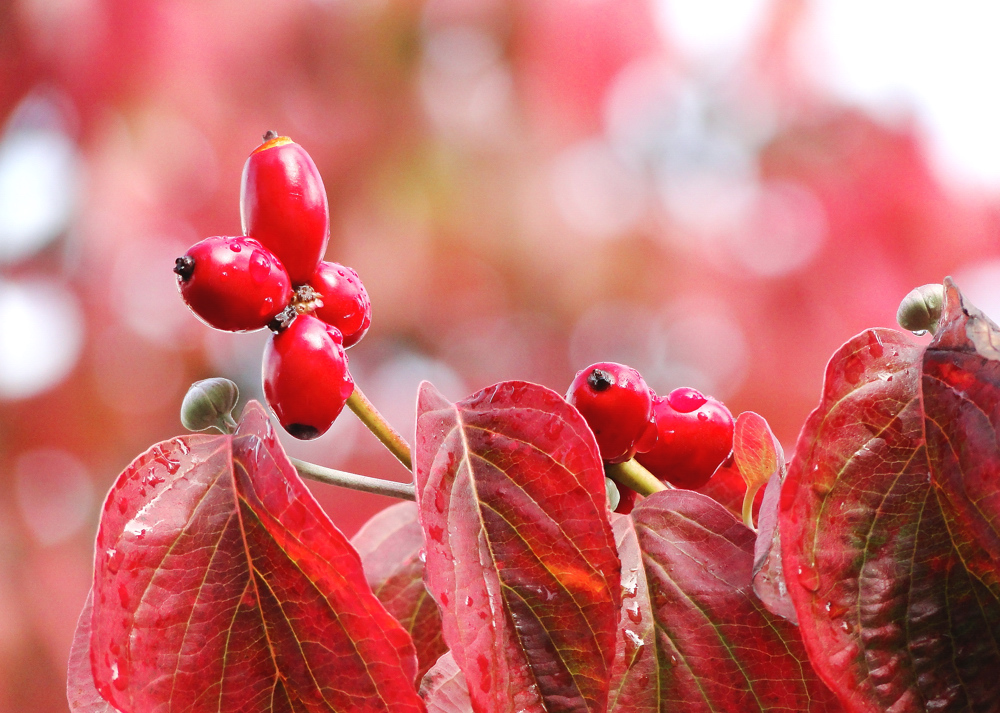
pixel 617 405
pixel 306 378
pixel 345 301
pixel 690 444
pixel 232 283
pixel 283 204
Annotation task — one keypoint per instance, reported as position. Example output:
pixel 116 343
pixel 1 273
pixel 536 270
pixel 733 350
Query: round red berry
pixel 345 301
pixel 694 437
pixel 283 205
pixel 617 405
pixel 306 379
pixel 626 499
pixel 233 284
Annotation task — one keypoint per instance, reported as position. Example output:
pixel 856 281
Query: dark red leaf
pixel 444 689
pixel 520 554
pixel 390 545
pixel 961 398
pixel 220 584
pixel 727 488
pixel 891 617
pixel 80 691
pixel 695 634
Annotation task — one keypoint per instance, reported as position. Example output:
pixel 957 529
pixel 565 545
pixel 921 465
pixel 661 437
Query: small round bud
pixel 210 403
pixel 920 310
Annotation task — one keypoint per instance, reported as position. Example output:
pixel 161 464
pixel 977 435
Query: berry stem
pixel 373 420
pixel 392 489
pixel 632 475
pixel 748 505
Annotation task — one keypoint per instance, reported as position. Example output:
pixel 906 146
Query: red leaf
pixel 890 616
pixel 390 545
pixel 697 637
pixel 757 452
pixel 961 398
pixel 220 584
pixel 80 690
pixel 444 689
pixel 520 554
pixel 768 571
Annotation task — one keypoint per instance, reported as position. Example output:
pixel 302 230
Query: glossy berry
pixel 306 379
pixel 694 437
pixel 233 284
pixel 345 301
pixel 283 205
pixel 617 406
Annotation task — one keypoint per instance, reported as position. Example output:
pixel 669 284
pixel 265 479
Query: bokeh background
pixel 717 192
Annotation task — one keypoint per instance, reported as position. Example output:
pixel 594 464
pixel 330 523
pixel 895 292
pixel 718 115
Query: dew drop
pixel 846 627
pixel 919 332
pixel 443 598
pixel 673 660
pixel 119 675
pixel 821 489
pixel 266 306
pixel 260 266
pixel 702 416
pixel 115 559
pixel 235 247
pixel 422 555
pixel 632 643
pixel 122 505
pixel 439 501
pixel 809 577
pixel 123 595
pixel 468 601
pixel 634 615
pixel 686 400
pixel 436 533
pixel 829 606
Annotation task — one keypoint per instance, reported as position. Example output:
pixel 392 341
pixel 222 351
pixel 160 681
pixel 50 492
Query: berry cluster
pixel 682 439
pixel 274 276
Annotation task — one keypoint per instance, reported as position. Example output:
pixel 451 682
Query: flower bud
pixel 210 403
pixel 920 310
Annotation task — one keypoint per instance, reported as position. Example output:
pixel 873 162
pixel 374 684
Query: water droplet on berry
pixel 235 247
pixel 260 266
pixel 685 400
pixel 702 416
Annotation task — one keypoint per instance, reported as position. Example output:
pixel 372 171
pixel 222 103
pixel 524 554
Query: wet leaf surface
pixel 220 584
pixel 891 617
pixel 444 689
pixel 694 634
pixel 520 553
pixel 390 545
pixel 961 396
pixel 81 693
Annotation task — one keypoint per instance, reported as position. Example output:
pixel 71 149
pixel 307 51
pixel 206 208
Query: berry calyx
pixel 617 405
pixel 283 204
pixel 345 301
pixel 694 437
pixel 306 377
pixel 232 283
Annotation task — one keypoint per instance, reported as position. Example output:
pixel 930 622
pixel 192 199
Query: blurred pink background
pixel 716 193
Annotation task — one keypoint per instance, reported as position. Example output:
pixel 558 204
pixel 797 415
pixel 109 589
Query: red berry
pixel 283 205
pixel 694 437
pixel 306 379
pixel 233 284
pixel 617 406
pixel 345 301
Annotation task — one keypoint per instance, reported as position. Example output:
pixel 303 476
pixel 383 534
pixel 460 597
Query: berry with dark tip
pixel 306 378
pixel 617 405
pixel 232 283
pixel 694 437
pixel 283 204
pixel 345 301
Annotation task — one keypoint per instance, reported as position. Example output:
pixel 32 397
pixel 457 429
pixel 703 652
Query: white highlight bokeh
pixel 42 336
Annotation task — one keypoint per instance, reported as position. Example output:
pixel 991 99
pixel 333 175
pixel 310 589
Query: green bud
pixel 210 403
pixel 920 310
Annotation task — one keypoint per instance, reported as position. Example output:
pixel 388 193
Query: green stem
pixel 632 475
pixel 748 505
pixel 392 489
pixel 369 415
